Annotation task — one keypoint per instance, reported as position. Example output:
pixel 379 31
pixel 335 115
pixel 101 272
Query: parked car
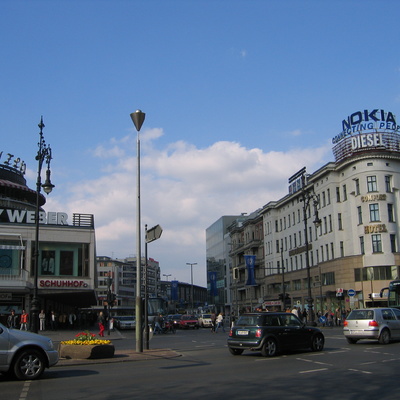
pixel 125 322
pixel 25 355
pixel 205 320
pixel 382 324
pixel 271 333
pixel 189 321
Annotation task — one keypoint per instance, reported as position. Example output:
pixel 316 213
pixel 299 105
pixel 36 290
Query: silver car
pixel 382 324
pixel 24 354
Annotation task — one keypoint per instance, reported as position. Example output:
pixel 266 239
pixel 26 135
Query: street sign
pixel 351 292
pixel 153 233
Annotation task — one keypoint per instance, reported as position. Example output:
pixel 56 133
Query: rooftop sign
pixel 366 130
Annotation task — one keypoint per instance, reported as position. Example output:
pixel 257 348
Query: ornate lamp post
pixel 308 197
pixel 138 119
pixel 43 155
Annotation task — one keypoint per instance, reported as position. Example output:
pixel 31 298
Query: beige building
pixel 351 230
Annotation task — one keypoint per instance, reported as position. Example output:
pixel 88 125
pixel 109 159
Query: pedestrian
pixel 157 324
pixel 233 319
pixel 295 312
pixel 42 320
pixel 12 320
pixel 100 321
pixel 213 319
pixel 53 321
pixel 71 319
pixel 24 321
pixel 220 323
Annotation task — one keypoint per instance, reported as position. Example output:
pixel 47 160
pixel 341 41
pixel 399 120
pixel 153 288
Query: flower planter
pixel 90 351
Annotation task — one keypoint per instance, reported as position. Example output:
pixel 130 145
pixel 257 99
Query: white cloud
pixel 184 189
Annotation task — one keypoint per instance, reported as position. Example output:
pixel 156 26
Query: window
pixel 338 194
pixel 388 183
pixel 393 243
pixel 362 247
pixel 371 184
pixel 390 212
pixel 323 199
pixel 332 251
pixel 330 223
pixel 340 225
pixel 325 226
pixel 328 192
pixel 376 243
pixel 374 212
pixel 328 279
pixel 357 184
pixel 344 193
pixel 341 244
pixel 359 213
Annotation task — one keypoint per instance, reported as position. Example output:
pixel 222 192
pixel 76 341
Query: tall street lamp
pixel 167 275
pixel 138 119
pixel 191 288
pixel 43 155
pixel 309 196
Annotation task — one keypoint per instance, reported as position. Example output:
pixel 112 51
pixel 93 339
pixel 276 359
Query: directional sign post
pixel 151 234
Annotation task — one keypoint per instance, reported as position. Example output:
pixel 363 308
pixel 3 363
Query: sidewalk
pixel 119 355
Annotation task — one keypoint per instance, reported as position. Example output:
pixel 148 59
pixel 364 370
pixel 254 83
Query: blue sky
pixel 238 96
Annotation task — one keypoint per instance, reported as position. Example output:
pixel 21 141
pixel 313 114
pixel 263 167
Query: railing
pixel 83 220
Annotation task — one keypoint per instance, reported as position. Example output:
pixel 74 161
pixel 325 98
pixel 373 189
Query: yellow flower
pixel 86 342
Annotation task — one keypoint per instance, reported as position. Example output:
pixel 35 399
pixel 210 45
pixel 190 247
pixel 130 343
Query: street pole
pixel 138 119
pixel 43 155
pixel 191 291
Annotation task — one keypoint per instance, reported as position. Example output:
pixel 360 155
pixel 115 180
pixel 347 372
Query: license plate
pixel 242 333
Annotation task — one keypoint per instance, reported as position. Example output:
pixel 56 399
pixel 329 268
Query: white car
pixel 25 354
pixel 125 322
pixel 205 320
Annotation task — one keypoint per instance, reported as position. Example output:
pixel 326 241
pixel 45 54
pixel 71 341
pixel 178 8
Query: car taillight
pixel 373 323
pixel 230 333
pixel 258 333
pixel 345 323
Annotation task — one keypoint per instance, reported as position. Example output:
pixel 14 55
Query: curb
pixel 122 356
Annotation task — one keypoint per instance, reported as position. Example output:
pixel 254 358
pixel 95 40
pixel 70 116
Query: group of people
pixel 14 321
pixel 217 322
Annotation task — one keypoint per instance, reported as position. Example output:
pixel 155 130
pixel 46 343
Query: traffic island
pixel 90 351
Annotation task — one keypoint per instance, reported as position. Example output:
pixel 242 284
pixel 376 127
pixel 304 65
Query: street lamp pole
pixel 191 275
pixel 138 119
pixel 307 197
pixel 43 155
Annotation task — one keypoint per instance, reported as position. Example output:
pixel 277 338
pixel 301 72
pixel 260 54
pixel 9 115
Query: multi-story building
pixel 123 281
pixel 336 232
pixel 66 277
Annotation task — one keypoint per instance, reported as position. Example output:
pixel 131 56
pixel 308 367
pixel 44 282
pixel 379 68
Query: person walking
pixel 213 322
pixel 24 321
pixel 42 320
pixel 100 321
pixel 12 320
pixel 220 323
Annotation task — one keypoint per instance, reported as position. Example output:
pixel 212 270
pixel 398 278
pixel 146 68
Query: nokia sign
pixel 367 130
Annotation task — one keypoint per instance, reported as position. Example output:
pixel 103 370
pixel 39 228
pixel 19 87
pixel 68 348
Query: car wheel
pixel 317 343
pixel 351 341
pixel 236 352
pixel 29 365
pixel 270 348
pixel 384 337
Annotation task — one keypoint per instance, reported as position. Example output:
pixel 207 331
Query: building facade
pixel 66 278
pixel 333 241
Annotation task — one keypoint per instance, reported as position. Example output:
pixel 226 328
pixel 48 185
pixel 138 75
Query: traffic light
pixel 114 301
pixel 280 296
pixel 370 296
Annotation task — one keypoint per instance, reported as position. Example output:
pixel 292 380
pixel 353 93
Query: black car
pixel 271 333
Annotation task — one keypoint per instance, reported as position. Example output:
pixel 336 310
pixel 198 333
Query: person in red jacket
pixel 24 321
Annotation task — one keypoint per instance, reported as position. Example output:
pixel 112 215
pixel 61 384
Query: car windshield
pixel 206 315
pixel 361 314
pixel 126 318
